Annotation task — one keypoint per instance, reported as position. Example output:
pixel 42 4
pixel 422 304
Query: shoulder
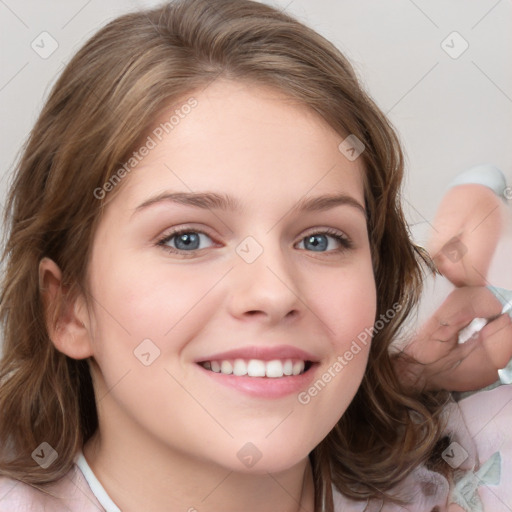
pixel 480 454
pixel 488 410
pixel 71 492
pixel 343 504
pixel 422 489
pixel 488 418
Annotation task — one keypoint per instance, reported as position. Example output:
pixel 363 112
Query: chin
pixel 266 455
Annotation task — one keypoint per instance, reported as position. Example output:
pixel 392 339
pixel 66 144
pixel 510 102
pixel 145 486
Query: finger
pixel 436 370
pixel 465 259
pixel 496 338
pixel 468 372
pixel 455 508
pixel 475 364
pixel 461 307
pixel 465 233
pixel 439 335
pixel 453 262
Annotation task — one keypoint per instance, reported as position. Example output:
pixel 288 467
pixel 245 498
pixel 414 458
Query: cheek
pixel 142 326
pixel 348 307
pixel 345 303
pixel 146 300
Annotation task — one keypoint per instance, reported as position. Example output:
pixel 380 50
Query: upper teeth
pixel 256 367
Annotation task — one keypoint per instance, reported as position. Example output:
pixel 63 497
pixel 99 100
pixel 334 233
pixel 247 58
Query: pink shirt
pixel 481 450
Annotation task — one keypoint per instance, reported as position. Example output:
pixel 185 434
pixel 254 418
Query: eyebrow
pixel 213 200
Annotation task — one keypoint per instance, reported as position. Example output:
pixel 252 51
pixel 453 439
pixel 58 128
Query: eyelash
pixel 344 241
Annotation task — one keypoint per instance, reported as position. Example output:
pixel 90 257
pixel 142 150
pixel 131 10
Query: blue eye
pixel 186 241
pixel 324 242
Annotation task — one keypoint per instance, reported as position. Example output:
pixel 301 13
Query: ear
pixel 66 317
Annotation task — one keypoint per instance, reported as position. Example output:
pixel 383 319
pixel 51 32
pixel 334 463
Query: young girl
pixel 206 265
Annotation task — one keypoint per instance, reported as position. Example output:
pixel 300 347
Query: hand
pixel 455 508
pixel 465 233
pixel 441 362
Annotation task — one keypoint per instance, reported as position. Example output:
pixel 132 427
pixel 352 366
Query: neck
pixel 153 478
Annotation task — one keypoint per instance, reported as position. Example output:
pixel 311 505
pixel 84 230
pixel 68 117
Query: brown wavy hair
pixel 105 101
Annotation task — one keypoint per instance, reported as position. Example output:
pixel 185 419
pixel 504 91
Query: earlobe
pixel 65 316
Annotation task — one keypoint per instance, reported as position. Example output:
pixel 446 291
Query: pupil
pixel 316 242
pixel 187 241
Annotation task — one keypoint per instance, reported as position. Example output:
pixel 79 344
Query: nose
pixel 265 290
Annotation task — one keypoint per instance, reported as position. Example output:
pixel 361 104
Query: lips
pixel 260 362
pixel 262 353
pixel 261 372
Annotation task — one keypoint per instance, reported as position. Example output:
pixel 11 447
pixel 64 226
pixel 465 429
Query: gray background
pixel 451 113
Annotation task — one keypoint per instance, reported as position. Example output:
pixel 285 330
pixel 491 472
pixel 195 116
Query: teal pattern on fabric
pixel 465 493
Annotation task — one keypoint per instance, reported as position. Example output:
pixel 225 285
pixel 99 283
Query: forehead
pixel 245 140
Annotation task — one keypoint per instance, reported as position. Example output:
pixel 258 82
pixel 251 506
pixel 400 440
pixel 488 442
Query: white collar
pixel 95 485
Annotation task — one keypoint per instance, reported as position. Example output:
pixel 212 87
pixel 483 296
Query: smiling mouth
pixel 275 368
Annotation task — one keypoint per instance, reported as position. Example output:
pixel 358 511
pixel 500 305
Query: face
pixel 230 278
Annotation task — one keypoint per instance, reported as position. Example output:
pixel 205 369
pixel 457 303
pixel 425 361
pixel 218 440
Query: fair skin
pixel 465 232
pixel 169 433
pixel 445 364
